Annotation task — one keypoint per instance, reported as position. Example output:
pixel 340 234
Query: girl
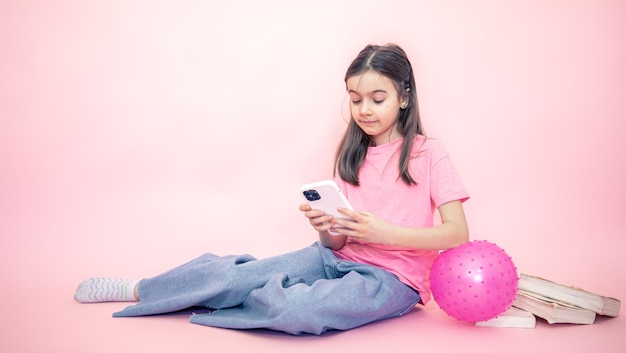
pixel 376 268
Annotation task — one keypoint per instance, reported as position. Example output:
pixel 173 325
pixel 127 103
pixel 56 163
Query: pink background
pixel 136 135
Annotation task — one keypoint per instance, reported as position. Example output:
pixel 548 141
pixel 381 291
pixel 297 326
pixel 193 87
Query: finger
pixel 305 207
pixel 348 212
pixel 346 223
pixel 346 231
pixel 324 226
pixel 318 221
pixel 315 214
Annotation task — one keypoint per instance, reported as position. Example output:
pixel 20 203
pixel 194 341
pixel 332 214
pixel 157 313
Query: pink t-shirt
pixel 382 193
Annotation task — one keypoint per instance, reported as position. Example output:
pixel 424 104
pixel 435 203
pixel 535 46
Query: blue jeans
pixel 305 291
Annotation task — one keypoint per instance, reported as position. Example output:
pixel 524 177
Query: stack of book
pixel 553 302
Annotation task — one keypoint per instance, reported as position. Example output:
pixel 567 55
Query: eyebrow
pixel 372 92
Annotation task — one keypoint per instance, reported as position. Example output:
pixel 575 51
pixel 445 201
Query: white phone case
pixel 326 196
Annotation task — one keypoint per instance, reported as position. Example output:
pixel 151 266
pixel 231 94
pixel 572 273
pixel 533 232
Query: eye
pixel 356 101
pixel 378 98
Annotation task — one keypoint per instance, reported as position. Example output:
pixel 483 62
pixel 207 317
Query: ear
pixel 405 99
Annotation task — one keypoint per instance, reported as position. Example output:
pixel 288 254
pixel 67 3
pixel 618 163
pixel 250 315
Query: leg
pixel 359 294
pixel 220 282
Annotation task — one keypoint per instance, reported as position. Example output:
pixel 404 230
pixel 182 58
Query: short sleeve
pixel 445 182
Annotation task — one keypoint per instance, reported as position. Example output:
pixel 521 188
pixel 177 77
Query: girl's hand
pixel 364 226
pixel 322 223
pixel 317 218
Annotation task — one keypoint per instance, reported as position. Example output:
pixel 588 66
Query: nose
pixel 364 109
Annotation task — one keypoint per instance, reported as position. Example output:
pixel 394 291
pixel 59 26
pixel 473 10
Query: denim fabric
pixel 305 291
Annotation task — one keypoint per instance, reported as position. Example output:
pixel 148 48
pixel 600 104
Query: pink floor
pixel 47 320
pixel 41 316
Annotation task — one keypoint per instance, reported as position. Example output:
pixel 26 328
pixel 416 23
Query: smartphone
pixel 326 196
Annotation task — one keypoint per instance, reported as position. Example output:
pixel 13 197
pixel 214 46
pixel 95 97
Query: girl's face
pixel 374 105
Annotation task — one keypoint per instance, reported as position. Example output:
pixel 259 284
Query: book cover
pixel 514 318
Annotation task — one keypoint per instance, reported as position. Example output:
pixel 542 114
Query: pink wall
pixel 136 135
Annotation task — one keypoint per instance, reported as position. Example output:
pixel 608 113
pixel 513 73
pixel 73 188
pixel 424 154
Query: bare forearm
pixel 440 237
pixel 452 231
pixel 368 227
pixel 334 242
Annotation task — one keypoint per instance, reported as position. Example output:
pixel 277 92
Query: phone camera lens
pixel 312 195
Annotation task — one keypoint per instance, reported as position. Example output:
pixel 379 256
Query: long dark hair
pixel 391 61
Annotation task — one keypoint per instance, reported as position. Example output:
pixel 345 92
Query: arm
pixel 452 231
pixel 322 223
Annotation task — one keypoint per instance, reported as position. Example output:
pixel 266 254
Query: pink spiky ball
pixel 475 281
